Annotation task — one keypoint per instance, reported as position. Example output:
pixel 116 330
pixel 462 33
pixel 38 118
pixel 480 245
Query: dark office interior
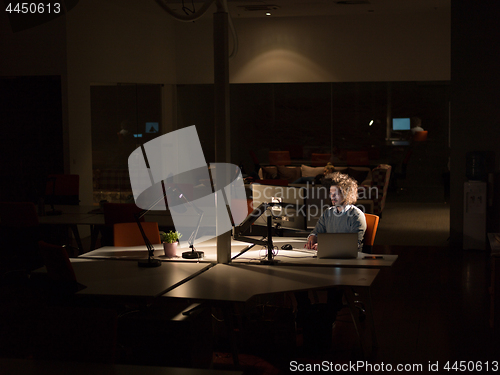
pixel 77 90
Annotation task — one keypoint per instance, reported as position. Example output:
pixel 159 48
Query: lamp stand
pixel 149 263
pixel 270 247
pixel 193 254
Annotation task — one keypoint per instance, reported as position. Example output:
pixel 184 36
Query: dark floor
pixel 431 307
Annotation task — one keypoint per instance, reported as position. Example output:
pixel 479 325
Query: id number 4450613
pixel 472 366
pixel 33 7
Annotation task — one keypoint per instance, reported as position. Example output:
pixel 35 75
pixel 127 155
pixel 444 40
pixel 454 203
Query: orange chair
pixel 320 160
pixel 420 136
pixel 128 234
pixel 120 213
pixel 370 233
pixel 113 213
pixel 279 157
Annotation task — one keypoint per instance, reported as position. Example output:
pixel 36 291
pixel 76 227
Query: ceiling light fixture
pixel 268 14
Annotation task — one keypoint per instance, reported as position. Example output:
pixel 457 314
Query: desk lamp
pixel 193 254
pixel 151 262
pixel 245 225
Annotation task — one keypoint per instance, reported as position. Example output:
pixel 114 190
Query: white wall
pixel 112 41
pixel 371 47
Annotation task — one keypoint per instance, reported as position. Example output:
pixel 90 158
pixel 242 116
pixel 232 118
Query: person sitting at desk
pixel 343 216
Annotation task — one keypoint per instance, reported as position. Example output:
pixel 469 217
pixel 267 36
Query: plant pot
pixel 170 249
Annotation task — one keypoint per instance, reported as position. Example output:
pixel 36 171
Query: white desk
pixel 209 247
pixel 307 258
pixel 299 256
pixel 119 278
pixel 240 282
pixel 71 216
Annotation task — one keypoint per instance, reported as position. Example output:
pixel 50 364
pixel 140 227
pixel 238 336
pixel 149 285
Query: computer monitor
pixel 401 123
pixel 290 213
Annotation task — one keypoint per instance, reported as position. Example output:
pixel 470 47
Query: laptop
pixel 337 245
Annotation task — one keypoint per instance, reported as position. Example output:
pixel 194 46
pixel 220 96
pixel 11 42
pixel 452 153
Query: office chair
pixel 128 234
pixel 370 233
pixel 114 213
pixel 369 239
pixel 420 136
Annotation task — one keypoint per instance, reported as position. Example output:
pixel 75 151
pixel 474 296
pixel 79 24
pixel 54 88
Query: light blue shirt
pixel 350 220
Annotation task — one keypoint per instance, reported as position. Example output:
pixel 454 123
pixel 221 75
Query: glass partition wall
pixel 124 116
pixel 307 118
pixel 301 118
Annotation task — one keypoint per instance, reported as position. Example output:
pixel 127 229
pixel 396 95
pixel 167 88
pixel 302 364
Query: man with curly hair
pixel 343 216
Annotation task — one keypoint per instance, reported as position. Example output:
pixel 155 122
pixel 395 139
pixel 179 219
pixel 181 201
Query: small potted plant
pixel 170 241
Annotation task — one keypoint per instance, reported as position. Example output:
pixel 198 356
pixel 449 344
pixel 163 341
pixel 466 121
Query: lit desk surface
pixel 299 256
pixel 128 279
pixel 240 282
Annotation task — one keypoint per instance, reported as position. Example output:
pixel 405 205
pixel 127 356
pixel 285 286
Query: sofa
pixel 372 183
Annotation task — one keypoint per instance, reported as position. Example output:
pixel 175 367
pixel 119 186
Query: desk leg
pixel 369 313
pixel 74 229
pixel 349 295
pixel 227 311
pixel 94 233
pixel 365 296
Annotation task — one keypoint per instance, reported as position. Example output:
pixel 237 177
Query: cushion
pixel 311 171
pixel 358 175
pixel 288 173
pixel 269 173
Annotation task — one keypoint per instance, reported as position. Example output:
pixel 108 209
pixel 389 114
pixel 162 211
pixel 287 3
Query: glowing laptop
pixel 337 245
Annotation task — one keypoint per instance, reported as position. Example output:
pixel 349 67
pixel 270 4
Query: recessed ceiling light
pixel 268 14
